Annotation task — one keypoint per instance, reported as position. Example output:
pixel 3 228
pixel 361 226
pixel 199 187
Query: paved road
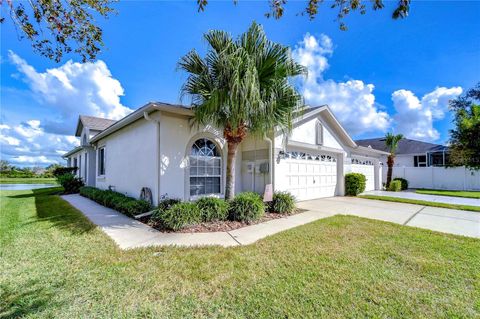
pixel 451 221
pixel 428 197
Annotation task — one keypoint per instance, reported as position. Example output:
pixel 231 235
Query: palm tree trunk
pixel 390 162
pixel 230 178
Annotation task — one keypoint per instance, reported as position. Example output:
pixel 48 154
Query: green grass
pixel 18 180
pixel 421 202
pixel 55 263
pixel 467 194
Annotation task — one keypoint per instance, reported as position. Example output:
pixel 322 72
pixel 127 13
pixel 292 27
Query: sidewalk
pixel 428 198
pixel 129 233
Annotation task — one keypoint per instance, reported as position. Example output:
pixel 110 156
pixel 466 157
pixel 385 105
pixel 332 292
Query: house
pixel 159 147
pixel 411 153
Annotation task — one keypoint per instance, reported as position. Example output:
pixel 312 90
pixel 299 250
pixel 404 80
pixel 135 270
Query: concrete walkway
pixel 428 198
pixel 452 221
pixel 129 233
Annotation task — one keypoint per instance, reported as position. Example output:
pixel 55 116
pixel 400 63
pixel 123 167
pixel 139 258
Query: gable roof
pixel 93 123
pixel 405 146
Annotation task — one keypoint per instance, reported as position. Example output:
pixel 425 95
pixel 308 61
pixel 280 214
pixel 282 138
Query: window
pixel 318 133
pixel 79 165
pixel 101 161
pixel 205 168
pixel 420 161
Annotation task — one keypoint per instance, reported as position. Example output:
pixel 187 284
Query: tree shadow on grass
pixel 51 208
pixel 16 304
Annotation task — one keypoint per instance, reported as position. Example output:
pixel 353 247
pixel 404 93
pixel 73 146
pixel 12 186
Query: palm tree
pixel 391 141
pixel 241 86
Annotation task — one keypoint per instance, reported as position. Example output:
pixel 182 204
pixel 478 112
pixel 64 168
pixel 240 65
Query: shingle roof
pixel 96 123
pixel 405 145
pixel 93 123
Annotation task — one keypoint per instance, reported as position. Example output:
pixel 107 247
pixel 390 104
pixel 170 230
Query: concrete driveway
pixel 450 221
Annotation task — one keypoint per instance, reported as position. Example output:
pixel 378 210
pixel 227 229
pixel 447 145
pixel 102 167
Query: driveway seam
pixel 411 217
pixel 239 243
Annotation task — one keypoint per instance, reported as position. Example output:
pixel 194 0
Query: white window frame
pixel 102 163
pixel 318 133
pixel 219 176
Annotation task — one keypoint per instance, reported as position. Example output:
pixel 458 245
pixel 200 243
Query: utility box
pixel 264 168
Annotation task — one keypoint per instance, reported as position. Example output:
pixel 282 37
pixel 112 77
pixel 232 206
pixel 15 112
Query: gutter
pixel 149 119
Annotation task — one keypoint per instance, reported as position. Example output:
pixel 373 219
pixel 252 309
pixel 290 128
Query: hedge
pixel 124 204
pixel 395 186
pixel 213 208
pixel 354 184
pixel 246 207
pixel 403 181
pixel 282 203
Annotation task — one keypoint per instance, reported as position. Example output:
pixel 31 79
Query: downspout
pixel 148 118
pixel 270 161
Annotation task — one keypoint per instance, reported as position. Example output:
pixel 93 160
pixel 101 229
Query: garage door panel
pixel 369 172
pixel 313 176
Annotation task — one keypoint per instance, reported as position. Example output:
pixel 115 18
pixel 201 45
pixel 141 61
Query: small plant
pixel 283 203
pixel 246 207
pixel 180 215
pixel 213 208
pixel 403 181
pixel 395 186
pixel 71 183
pixel 354 184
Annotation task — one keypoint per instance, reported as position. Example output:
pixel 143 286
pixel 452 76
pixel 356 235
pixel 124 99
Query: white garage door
pixel 307 176
pixel 366 169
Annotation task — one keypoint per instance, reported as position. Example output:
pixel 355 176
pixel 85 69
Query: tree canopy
pixel 465 137
pixel 343 7
pixel 57 27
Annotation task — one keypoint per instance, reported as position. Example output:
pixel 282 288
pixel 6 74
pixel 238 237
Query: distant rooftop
pixel 405 145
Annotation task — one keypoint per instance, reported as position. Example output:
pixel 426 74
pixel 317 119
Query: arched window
pixel 205 168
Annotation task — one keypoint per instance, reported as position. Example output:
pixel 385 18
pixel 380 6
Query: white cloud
pixel 27 144
pixel 352 101
pixel 414 118
pixel 72 89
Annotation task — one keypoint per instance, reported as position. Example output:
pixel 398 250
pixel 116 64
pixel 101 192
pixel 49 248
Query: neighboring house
pixel 159 147
pixel 411 153
pixel 84 156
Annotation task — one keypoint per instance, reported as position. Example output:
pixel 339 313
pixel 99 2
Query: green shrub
pixel 403 181
pixel 213 208
pixel 246 207
pixel 71 183
pixel 354 184
pixel 283 203
pixel 180 215
pixel 395 186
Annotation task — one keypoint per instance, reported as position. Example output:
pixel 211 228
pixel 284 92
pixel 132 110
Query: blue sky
pixel 380 75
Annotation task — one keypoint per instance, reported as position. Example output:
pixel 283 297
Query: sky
pixel 382 75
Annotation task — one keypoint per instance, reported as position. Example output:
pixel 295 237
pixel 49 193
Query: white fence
pixel 454 178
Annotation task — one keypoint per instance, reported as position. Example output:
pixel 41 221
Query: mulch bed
pixel 218 226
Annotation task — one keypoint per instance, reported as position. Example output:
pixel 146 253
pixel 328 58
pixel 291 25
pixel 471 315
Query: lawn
pixel 467 194
pixel 54 263
pixel 18 180
pixel 421 202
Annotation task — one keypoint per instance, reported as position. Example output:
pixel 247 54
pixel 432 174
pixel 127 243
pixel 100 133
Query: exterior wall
pixel 130 159
pixel 454 178
pixel 177 136
pixel 306 133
